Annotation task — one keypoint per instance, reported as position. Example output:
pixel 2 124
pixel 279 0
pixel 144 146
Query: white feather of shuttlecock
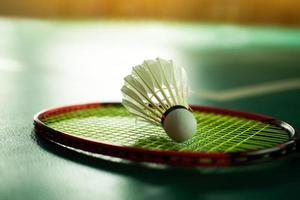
pixel 153 87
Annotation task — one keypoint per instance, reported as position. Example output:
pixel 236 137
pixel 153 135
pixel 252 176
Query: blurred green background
pixel 241 55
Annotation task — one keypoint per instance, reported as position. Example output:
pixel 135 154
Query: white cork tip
pixel 180 124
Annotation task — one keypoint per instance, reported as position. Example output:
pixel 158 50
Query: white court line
pixel 10 65
pixel 248 91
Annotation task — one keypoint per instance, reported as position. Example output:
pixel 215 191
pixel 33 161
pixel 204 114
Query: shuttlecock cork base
pixel 156 91
pixel 179 123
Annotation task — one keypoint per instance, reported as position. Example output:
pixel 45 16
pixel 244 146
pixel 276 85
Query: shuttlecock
pixel 156 91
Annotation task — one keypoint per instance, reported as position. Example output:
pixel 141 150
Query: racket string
pixel 215 132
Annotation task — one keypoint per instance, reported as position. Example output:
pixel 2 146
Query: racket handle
pixel 297 141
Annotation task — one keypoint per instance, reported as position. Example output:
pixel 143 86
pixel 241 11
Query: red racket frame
pixel 192 159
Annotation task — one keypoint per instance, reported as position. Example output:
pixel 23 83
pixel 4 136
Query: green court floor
pixel 51 63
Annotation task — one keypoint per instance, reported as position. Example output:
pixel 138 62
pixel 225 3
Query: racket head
pixel 223 138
